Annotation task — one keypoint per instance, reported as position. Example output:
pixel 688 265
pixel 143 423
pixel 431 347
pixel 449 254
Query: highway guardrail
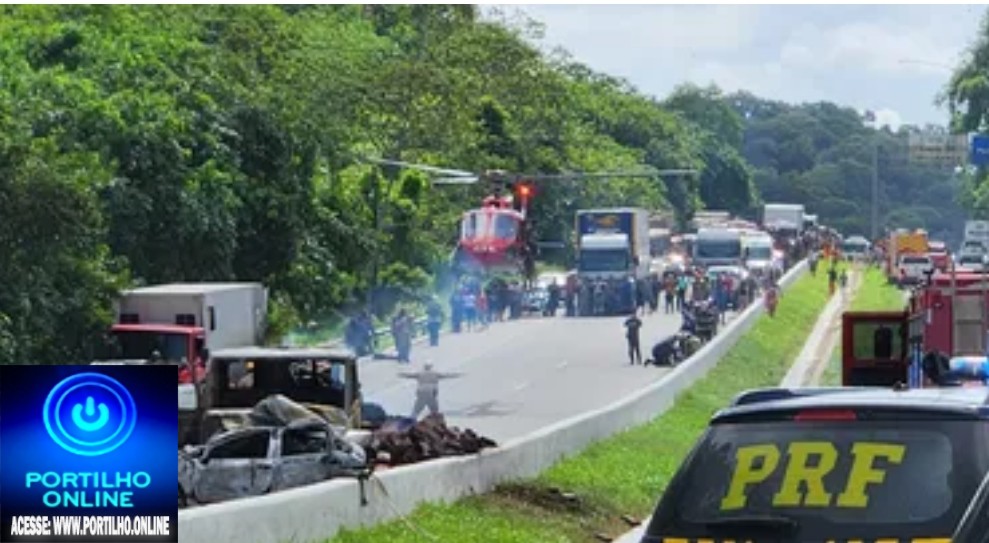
pixel 315 513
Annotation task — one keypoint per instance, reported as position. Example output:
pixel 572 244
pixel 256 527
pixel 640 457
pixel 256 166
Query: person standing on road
pixel 832 279
pixel 401 329
pixel 427 388
pixel 632 326
pixel 683 282
pixel 434 320
pixel 669 294
pixel 470 309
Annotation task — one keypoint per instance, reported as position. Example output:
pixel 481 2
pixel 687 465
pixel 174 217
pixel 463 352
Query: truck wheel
pixel 183 501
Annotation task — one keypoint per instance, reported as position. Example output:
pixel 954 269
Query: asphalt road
pixel 520 376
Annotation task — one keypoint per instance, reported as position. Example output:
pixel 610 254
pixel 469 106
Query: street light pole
pixel 875 189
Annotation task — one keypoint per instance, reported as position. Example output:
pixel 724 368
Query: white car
pixel 974 262
pixel 914 268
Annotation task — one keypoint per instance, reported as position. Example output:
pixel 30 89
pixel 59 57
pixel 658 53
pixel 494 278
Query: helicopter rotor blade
pixel 598 175
pixel 421 167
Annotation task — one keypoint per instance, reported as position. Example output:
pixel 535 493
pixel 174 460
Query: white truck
pixel 180 324
pixel 614 252
pixel 976 238
pixel 757 250
pixel 783 218
pixel 182 320
pixel 718 247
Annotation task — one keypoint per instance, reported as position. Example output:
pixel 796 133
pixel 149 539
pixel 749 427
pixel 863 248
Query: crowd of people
pixel 703 300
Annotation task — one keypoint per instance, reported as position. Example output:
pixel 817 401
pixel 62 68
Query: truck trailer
pixel 613 258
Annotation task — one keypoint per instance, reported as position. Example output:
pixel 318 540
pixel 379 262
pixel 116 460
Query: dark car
pixel 816 465
pixel 974 527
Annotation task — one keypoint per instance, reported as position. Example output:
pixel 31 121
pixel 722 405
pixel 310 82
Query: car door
pixel 226 471
pixel 302 458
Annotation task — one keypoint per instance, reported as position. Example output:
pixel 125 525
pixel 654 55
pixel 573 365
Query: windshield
pixel 719 248
pixel 604 260
pixel 140 345
pixel 852 247
pixel 760 252
pixel 838 480
pixel 474 225
pixel 505 226
pixel 916 260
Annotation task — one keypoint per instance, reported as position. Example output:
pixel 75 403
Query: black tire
pixel 183 500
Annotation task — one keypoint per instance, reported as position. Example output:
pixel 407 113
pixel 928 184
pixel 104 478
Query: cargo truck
pixel 184 320
pixel 709 219
pixel 613 258
pixel 903 243
pixel 180 324
pixel 976 238
pixel 787 218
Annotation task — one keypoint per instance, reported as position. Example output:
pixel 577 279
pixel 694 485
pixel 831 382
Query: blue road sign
pixel 980 150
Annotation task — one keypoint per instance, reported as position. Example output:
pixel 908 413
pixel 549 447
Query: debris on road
pixel 404 441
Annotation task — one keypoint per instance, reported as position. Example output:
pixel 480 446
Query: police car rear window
pixel 835 476
pixel 916 260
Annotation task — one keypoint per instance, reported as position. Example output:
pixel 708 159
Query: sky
pixel 891 59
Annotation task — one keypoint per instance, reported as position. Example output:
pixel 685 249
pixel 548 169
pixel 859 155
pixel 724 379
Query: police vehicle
pixel 863 464
pixel 974 527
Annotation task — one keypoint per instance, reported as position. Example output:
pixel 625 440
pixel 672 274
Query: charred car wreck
pixel 283 446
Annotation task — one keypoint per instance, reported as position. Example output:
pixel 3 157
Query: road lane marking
pixel 521 386
pixel 562 365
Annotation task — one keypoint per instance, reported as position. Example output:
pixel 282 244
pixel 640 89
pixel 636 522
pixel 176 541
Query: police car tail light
pixel 825 415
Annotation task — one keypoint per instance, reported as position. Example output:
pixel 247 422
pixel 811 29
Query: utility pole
pixel 875 189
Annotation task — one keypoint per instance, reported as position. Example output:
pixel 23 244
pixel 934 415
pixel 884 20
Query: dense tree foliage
pixel 967 97
pixel 823 155
pixel 143 144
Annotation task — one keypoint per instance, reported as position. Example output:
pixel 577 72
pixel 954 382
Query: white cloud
pixel 878 57
pixel 888 117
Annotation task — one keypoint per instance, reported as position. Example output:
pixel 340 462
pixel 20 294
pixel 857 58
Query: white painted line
pixel 521 386
pixel 562 365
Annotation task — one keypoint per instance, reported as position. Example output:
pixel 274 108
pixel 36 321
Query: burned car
pixel 285 446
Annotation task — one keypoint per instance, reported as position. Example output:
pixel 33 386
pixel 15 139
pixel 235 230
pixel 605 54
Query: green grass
pixel 832 373
pixel 874 294
pixel 624 474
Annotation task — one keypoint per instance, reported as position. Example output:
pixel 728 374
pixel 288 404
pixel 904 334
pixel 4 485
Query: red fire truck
pixel 949 315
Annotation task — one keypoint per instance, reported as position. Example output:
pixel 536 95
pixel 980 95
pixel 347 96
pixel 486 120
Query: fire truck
pixel 948 316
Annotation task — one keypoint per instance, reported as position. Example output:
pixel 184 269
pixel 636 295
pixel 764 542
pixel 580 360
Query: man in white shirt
pixel 427 388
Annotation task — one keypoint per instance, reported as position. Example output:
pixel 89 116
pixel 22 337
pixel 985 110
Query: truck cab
pixel 169 342
pixel 180 322
pixel 718 247
pixel 605 256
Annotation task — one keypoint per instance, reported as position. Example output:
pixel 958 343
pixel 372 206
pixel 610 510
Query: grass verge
pixel 587 494
pixel 875 293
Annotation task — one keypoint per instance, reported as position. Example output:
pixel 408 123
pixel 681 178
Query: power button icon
pixel 90 414
pixel 95 425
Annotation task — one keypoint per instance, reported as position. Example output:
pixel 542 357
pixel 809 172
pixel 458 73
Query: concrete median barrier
pixel 315 513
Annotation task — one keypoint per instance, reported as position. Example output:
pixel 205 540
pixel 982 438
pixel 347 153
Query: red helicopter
pixel 498 235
